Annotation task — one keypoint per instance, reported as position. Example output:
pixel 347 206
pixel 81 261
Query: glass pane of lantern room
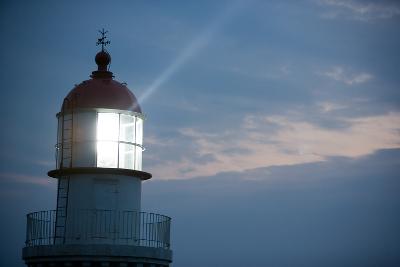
pixel 126 154
pixel 107 126
pixel 139 131
pixel 59 140
pixel 138 158
pixel 127 128
pixel 107 154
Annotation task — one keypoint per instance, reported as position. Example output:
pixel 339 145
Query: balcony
pixel 107 227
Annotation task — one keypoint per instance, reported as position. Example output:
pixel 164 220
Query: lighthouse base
pixel 95 256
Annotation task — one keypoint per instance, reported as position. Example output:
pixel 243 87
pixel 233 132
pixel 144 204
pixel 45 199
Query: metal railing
pixel 98 227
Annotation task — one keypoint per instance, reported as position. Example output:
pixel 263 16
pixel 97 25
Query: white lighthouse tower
pixel 98 219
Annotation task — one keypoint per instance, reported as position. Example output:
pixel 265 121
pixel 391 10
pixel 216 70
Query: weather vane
pixel 103 40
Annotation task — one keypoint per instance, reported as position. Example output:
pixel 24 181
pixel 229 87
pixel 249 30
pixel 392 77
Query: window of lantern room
pixel 119 141
pixel 127 137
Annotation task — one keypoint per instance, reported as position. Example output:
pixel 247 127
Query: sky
pixel 272 131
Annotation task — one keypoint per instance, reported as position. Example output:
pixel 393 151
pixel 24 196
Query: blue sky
pixel 277 93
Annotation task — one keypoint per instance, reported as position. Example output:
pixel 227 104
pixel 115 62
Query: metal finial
pixel 102 40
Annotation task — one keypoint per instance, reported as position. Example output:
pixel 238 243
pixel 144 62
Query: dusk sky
pixel 272 130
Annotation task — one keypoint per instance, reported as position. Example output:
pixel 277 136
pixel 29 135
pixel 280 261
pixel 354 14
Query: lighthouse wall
pixel 104 192
pixel 100 206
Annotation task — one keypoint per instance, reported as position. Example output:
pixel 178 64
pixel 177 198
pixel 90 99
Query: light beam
pixel 192 49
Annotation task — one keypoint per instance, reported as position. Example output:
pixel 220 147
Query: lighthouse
pixel 98 219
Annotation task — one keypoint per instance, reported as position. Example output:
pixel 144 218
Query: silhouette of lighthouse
pixel 98 219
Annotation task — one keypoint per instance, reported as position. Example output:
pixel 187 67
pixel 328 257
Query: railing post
pixel 27 230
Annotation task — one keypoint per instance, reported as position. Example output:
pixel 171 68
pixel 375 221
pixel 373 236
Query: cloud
pixel 341 75
pixel 333 213
pixel 327 107
pixel 262 71
pixel 24 179
pixel 361 10
pixel 45 163
pixel 260 141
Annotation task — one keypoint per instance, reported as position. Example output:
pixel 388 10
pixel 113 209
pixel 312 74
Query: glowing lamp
pixel 119 141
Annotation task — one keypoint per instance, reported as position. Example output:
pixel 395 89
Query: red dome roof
pixel 101 91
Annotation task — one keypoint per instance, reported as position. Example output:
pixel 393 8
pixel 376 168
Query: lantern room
pixel 100 124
